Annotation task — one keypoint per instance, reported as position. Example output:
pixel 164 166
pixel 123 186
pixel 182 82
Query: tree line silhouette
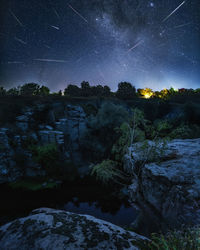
pixel 125 91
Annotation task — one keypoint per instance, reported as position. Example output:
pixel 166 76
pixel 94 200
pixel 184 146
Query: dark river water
pixel 83 199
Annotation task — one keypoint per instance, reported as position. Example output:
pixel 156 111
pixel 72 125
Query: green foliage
pixel 163 127
pixel 129 132
pixel 85 89
pixel 151 151
pixel 30 89
pixel 72 90
pixel 2 91
pixel 107 172
pixel 188 239
pixel 120 147
pixel 100 134
pixel 109 116
pixel 126 91
pixel 90 109
pixel 14 91
pixel 44 91
pixel 47 156
pixel 185 132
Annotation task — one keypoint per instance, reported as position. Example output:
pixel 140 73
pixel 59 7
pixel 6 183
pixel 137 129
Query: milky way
pixel 148 43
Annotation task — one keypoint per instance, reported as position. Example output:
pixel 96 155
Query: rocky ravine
pixel 167 191
pixel 47 228
pixel 62 124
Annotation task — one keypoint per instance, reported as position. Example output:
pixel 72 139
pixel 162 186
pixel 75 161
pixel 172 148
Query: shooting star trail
pixel 135 46
pixel 15 62
pixel 78 13
pixel 49 60
pixel 182 25
pixel 55 27
pixel 20 40
pixel 56 13
pixel 165 19
pixel 48 47
pixel 17 19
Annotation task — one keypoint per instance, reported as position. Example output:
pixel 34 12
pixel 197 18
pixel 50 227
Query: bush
pixel 163 127
pixel 48 157
pixel 107 172
pixel 188 239
pixel 100 134
pixel 185 132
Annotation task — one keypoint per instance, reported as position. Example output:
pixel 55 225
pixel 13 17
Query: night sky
pixel 152 44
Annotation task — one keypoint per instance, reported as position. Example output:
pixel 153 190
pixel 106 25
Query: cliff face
pixel 57 123
pixel 168 190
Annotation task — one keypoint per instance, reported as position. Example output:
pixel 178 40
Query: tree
pixel 30 89
pixel 86 89
pixel 106 91
pixel 14 91
pixel 125 90
pixel 97 90
pixel 2 91
pixel 72 90
pixel 100 133
pixel 44 91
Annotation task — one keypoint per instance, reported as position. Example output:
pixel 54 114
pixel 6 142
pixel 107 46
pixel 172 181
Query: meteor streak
pixel 78 13
pixel 20 40
pixel 135 46
pixel 17 19
pixel 14 62
pixel 49 60
pixel 56 13
pixel 55 27
pixel 48 47
pixel 165 19
pixel 182 25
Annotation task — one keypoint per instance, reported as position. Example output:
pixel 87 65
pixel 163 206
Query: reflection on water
pixel 83 199
pixel 123 216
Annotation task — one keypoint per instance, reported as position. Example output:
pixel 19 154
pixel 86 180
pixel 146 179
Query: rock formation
pixel 168 190
pixel 53 229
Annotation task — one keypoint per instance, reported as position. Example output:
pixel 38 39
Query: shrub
pixel 107 172
pixel 185 132
pixel 187 239
pixel 119 149
pixel 100 135
pixel 48 157
pixel 163 127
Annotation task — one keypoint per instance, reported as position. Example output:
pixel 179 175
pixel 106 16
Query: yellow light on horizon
pixel 147 96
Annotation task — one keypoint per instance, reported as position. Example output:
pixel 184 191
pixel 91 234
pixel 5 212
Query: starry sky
pixel 152 43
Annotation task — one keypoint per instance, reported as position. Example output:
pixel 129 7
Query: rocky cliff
pixel 57 123
pixel 168 190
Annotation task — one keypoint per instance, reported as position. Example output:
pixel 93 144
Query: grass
pixel 186 239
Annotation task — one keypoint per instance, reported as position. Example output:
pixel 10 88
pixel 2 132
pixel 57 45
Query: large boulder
pixel 170 188
pixel 53 229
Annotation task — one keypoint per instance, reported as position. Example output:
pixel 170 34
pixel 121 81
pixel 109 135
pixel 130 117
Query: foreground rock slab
pixel 47 228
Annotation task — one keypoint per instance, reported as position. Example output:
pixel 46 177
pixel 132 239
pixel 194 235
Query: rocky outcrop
pixel 53 229
pixel 58 123
pixel 170 187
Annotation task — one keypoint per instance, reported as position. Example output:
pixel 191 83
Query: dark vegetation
pixel 114 121
pixel 111 119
